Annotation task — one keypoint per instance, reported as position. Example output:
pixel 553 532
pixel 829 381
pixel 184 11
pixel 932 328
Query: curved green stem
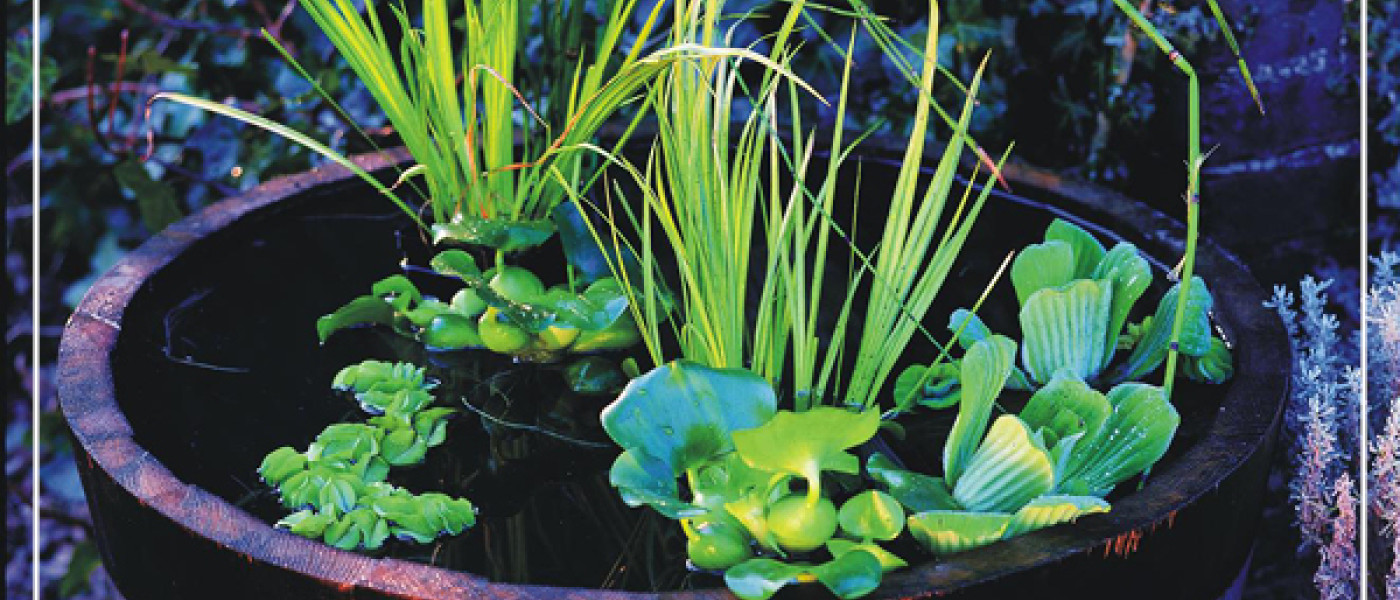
pixel 1193 166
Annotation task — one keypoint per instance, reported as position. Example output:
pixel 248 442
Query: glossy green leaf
pixel 348 441
pixel 684 413
pixel 380 376
pixel 1041 266
pixel 751 510
pixel 620 335
pixel 364 310
pixel 342 534
pixel 872 515
pixel 373 530
pixel 642 480
pixel 760 578
pixel 431 424
pixel 590 260
pixel 945 532
pixel 888 560
pixel 373 470
pixel 1066 328
pixel 1215 366
pixel 916 491
pixel 729 477
pixel 969 327
pixel 1087 250
pixel 467 302
pixel 281 464
pixel 1130 275
pixel 339 495
pixel 853 574
pixel 1133 438
pixel 500 234
pixel 305 523
pixel 1049 510
pixel 426 311
pixel 1151 350
pixel 909 387
pixel 601 305
pixel 1064 407
pixel 931 386
pixel 451 332
pixel 457 263
pixel 398 291
pixel 1008 470
pixel 805 444
pixel 984 370
pixel 403 447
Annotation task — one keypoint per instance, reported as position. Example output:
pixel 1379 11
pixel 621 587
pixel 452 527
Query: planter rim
pixel 1249 410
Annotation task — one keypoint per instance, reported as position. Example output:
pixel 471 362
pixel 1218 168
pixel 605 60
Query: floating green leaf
pixel 1087 251
pixel 1040 266
pixel 1064 407
pixel 456 263
pixel 500 234
pixel 451 332
pixel 969 327
pixel 872 515
pixel 1050 510
pixel 933 386
pixel 1066 328
pixel 1151 350
pixel 281 464
pixel 985 368
pixel 916 491
pixel 853 574
pixel 1133 438
pixel 888 560
pixel 644 480
pixel 1215 366
pixel 1008 470
pixel 399 291
pixel 760 578
pixel 1130 275
pixel 684 413
pixel 946 532
pixel 805 444
pixel 305 523
pixel 364 310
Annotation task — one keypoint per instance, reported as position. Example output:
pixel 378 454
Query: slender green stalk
pixel 1193 157
pixel 1235 48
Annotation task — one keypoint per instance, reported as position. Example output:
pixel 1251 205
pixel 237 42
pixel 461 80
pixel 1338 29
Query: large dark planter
pixel 170 426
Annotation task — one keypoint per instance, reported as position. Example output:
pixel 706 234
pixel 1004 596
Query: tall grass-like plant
pixel 475 138
pixel 712 179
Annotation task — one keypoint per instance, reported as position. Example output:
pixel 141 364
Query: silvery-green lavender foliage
pixel 1321 421
pixel 1383 392
pixel 1338 575
pixel 1384 492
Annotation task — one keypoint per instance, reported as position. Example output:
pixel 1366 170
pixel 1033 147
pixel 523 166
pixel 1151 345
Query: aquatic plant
pixel 338 486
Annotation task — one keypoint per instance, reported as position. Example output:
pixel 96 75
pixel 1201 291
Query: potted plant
pixel 761 485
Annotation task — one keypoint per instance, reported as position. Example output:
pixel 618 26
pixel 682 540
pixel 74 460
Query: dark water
pixel 218 364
